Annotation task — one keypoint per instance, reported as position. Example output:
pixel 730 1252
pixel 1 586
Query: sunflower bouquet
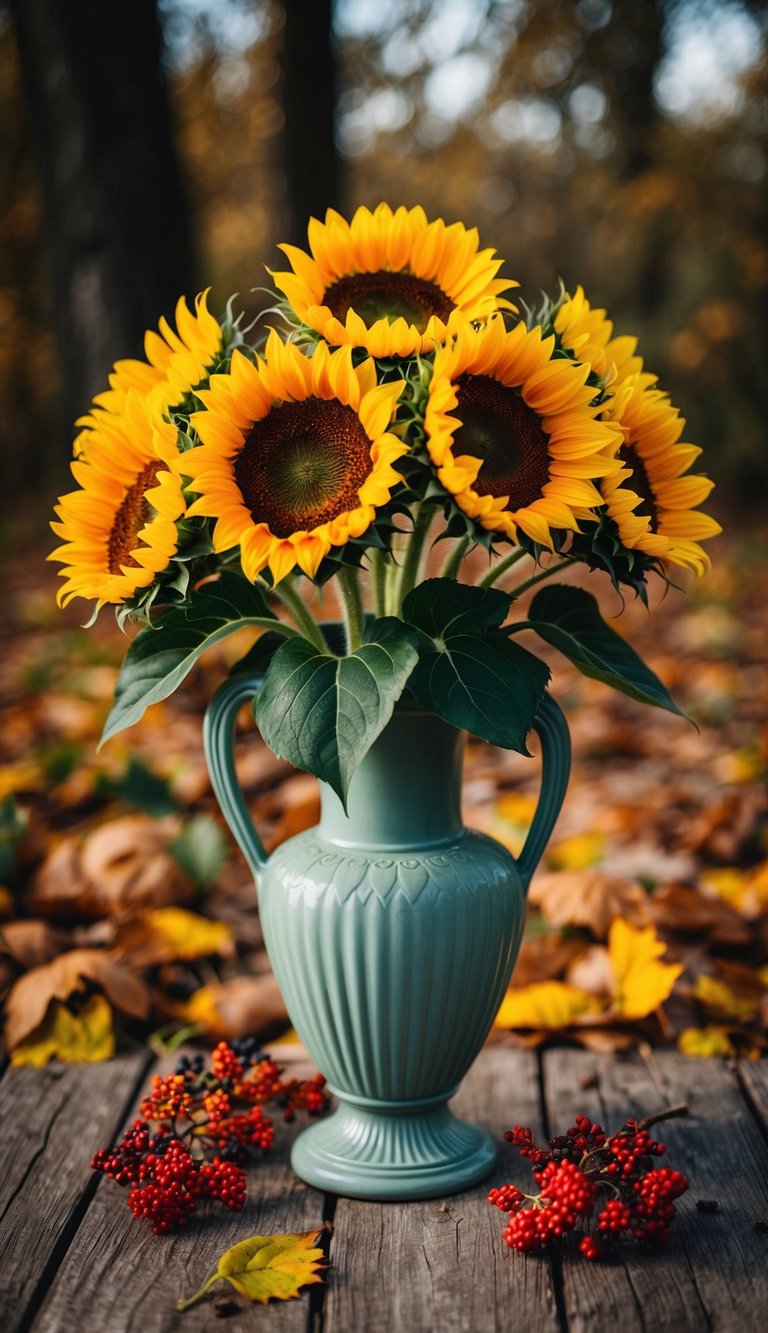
pixel 404 412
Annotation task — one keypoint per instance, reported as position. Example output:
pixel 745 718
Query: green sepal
pixel 466 672
pixel 323 713
pixel 569 619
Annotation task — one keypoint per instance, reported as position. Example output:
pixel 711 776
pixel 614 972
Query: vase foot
pixel 394 1152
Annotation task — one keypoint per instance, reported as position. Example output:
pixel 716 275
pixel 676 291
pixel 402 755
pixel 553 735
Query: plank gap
pixel 554 1256
pixel 317 1294
pixel 748 1091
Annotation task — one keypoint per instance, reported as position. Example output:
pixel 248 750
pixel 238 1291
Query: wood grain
pixel 53 1121
pixel 713 1273
pixel 118 1276
pixel 398 1268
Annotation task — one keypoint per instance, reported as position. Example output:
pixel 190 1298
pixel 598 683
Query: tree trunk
pixel 313 169
pixel 115 214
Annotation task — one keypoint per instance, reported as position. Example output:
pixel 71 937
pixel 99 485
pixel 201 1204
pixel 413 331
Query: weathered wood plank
pixel 753 1075
pixel 713 1273
pixel 401 1268
pixel 53 1121
pixel 118 1276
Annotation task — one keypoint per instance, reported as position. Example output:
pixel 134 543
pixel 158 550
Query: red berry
pixel 590 1248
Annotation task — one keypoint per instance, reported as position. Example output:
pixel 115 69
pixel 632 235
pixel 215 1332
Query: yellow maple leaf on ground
pixel 85 1037
pixel 641 982
pixel 545 1004
pixel 705 1042
pixel 267 1268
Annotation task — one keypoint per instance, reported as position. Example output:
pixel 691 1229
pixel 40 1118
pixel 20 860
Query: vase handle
pixel 556 770
pixel 218 743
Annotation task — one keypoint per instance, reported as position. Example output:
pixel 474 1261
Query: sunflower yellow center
pixel 640 483
pixel 499 428
pixel 391 296
pixel 303 465
pixel 131 516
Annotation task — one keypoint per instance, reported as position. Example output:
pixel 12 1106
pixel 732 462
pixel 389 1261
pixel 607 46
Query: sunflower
pixel 588 335
pixel 393 283
pixel 176 363
pixel 119 528
pixel 513 434
pixel 651 500
pixel 295 455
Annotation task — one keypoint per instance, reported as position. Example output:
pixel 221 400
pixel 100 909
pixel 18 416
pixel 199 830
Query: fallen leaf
pixel 705 1042
pixel 721 1001
pixel 240 1007
pixel 588 898
pixel 32 943
pixel 545 1004
pixel 85 1037
pixel 28 999
pixel 545 957
pixel 592 972
pixel 578 852
pixel 687 911
pixel 266 1268
pixel 169 934
pixel 641 983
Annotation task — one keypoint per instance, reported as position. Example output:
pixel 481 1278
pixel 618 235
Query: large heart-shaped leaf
pixel 569 619
pixel 161 656
pixel 323 713
pixel 468 672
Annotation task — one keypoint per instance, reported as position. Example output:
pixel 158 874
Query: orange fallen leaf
pixel 28 999
pixel 266 1268
pixel 31 943
pixel 86 1037
pixel 240 1007
pixel 588 898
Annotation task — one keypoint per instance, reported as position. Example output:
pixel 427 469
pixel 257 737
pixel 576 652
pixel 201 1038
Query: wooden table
pixel 73 1260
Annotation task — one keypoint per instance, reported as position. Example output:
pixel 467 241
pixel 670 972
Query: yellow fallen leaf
pixel 545 1004
pixel 720 999
pixel 727 882
pixel 264 1268
pixel 577 853
pixel 641 982
pixel 84 1037
pixel 511 819
pixel 704 1042
pixel 168 934
pixel 26 776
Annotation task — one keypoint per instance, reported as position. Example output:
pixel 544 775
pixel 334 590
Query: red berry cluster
pixel 607 1186
pixel 207 1123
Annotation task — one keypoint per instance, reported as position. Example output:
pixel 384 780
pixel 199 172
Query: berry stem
pixel 671 1113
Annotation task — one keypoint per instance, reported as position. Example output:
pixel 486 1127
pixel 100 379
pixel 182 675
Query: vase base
pixel 394 1154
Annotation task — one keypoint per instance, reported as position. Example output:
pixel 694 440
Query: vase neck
pixel 407 790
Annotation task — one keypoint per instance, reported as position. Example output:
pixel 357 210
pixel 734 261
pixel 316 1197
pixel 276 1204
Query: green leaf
pixel 200 850
pixel 569 619
pixel 139 786
pixel 161 656
pixel 323 713
pixel 470 674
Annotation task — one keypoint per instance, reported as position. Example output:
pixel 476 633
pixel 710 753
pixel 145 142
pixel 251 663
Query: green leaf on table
pixel 162 655
pixel 569 619
pixel 323 713
pixel 468 671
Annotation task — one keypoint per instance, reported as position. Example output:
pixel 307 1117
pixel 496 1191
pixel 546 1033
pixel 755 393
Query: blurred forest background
pixel 156 147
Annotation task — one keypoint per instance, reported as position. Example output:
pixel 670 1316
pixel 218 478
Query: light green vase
pixel 392 931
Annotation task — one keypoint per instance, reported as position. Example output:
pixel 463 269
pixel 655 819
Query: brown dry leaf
pixel 29 998
pixel 545 958
pixel 241 1007
pixel 299 808
pixel 588 898
pixel 124 863
pixel 604 1041
pixel 687 911
pixel 592 971
pixel 32 943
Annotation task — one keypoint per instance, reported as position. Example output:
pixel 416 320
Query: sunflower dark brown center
pixel 132 514
pixel 385 295
pixel 498 427
pixel 303 465
pixel 640 483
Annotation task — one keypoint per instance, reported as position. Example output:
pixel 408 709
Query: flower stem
pixel 450 566
pixel 498 571
pixel 378 561
pixel 348 584
pixel 539 578
pixel 413 552
pixel 292 599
